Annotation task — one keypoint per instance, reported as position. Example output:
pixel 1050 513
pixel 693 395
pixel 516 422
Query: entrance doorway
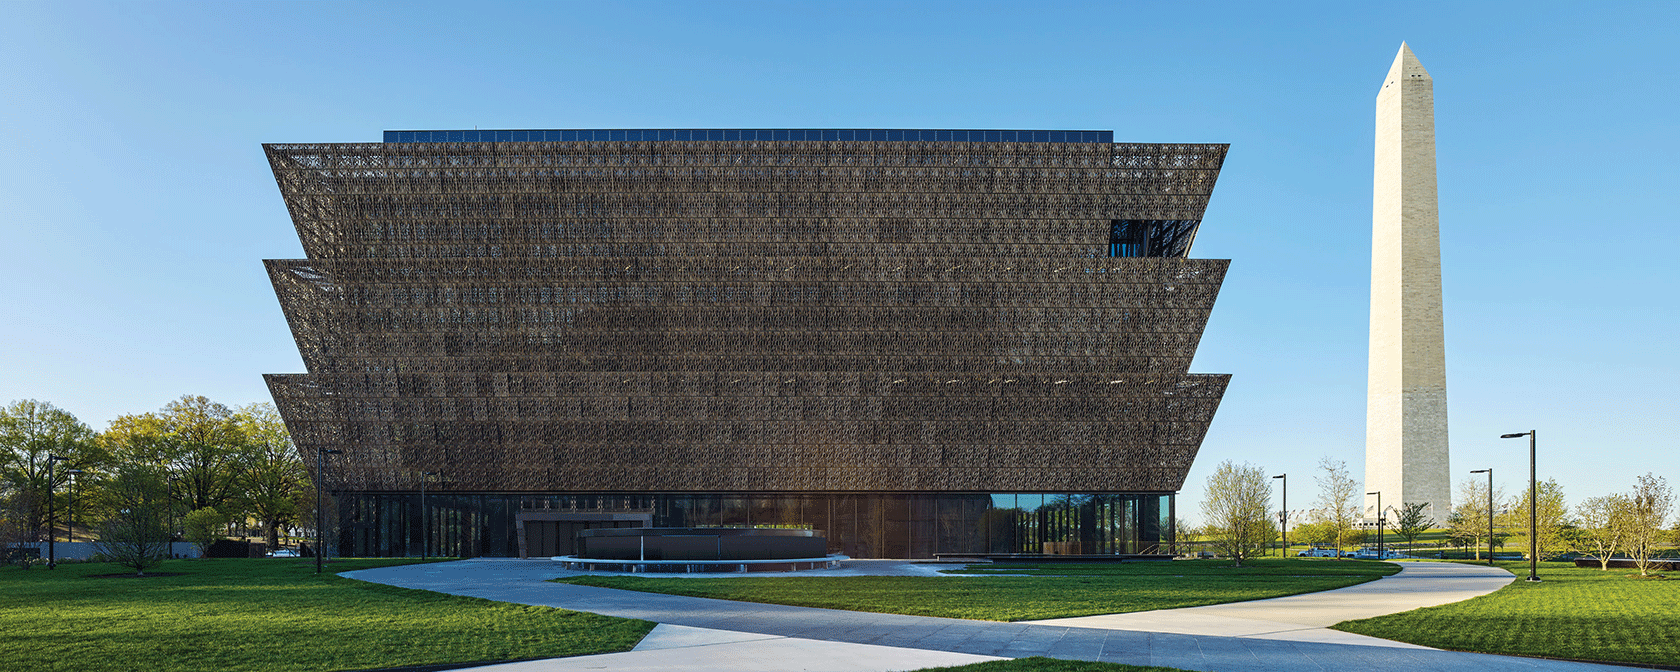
pixel 545 534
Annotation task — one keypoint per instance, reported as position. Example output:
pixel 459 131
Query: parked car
pixel 284 553
pixel 1371 554
pixel 1320 553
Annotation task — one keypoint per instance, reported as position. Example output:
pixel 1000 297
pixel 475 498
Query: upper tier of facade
pixel 751 135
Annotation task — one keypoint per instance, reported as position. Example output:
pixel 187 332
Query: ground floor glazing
pixel 860 525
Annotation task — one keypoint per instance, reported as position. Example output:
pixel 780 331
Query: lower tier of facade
pixel 859 525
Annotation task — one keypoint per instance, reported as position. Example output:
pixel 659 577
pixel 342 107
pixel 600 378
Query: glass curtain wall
pixel 865 525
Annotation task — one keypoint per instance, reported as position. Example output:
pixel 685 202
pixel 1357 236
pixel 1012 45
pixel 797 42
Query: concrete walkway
pixel 677 647
pixel 524 582
pixel 1307 618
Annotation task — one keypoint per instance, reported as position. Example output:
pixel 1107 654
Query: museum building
pixel 914 341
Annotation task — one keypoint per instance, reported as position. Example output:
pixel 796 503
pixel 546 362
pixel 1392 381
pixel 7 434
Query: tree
pixel 272 476
pixel 195 441
pixel 1468 523
pixel 207 439
pixel 1551 518
pixel 1413 521
pixel 1601 522
pixel 203 527
pixel 1236 509
pixel 1316 533
pixel 1644 519
pixel 134 534
pixel 30 432
pixel 1335 505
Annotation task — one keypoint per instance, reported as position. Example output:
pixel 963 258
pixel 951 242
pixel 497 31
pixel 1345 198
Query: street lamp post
pixel 1533 501
pixel 1379 523
pixel 1283 516
pixel 169 504
pixel 72 523
pixel 52 511
pixel 320 525
pixel 425 516
pixel 1489 471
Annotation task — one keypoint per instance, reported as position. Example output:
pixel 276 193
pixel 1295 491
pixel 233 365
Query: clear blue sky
pixel 136 206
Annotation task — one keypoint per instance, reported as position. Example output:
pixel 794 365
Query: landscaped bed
pixel 274 614
pixel 1048 591
pixel 1574 613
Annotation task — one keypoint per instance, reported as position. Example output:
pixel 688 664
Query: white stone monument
pixel 1406 407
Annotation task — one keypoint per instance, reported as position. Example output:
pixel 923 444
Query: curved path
pixel 1224 649
pixel 1307 617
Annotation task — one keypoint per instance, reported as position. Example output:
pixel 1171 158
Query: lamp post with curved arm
pixel 1379 523
pixel 1489 471
pixel 1533 501
pixel 52 512
pixel 1283 516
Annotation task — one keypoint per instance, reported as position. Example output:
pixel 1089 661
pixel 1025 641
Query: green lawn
pixel 1042 664
pixel 272 614
pixel 1052 590
pixel 1583 614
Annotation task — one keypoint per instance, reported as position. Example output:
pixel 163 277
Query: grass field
pixel 1583 614
pixel 1050 591
pixel 270 615
pixel 1041 664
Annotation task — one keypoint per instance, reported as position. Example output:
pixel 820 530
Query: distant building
pixel 917 341
pixel 1406 412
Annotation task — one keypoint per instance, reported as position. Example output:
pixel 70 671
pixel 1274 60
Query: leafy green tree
pixel 203 527
pixel 1413 521
pixel 272 476
pixel 1644 518
pixel 133 535
pixel 1236 509
pixel 1552 521
pixel 1601 526
pixel 1316 533
pixel 207 442
pixel 195 441
pixel 30 432
pixel 1335 506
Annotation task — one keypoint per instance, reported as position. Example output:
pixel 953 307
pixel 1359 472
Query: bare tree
pixel 1335 506
pixel 134 535
pixel 1236 510
pixel 1645 517
pixel 1468 523
pixel 1601 523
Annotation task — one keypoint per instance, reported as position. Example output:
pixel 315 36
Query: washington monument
pixel 1406 407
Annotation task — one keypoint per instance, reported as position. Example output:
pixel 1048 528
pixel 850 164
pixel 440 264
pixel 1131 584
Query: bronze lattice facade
pixel 671 321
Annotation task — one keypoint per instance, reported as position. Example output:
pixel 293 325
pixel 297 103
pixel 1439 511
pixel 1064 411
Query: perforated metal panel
pixel 682 316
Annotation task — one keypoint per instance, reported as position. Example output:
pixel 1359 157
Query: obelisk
pixel 1406 406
